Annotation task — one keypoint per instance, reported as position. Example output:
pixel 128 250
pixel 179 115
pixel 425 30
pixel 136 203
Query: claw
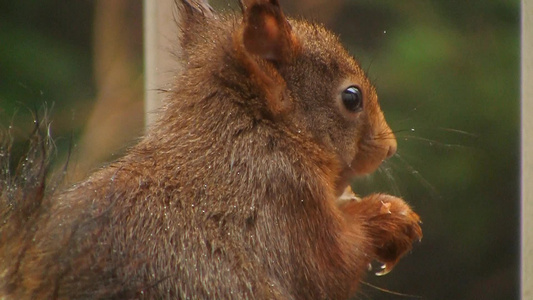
pixel 348 196
pixel 385 208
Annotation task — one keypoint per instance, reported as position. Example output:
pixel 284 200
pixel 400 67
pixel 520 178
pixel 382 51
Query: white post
pixel 527 156
pixel 160 41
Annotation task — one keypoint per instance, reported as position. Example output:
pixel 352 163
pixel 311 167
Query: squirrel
pixel 240 190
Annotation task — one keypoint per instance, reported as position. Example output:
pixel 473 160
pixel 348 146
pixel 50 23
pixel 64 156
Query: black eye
pixel 352 98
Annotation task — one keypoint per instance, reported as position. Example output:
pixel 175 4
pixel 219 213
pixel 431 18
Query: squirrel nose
pixel 393 146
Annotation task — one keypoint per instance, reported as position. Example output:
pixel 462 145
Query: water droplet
pixel 384 270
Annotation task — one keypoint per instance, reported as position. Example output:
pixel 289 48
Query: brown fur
pixel 234 192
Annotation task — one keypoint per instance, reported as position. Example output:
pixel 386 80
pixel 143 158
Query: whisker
pixel 403 130
pixel 440 129
pixel 425 183
pixel 367 69
pixel 458 131
pixel 387 173
pixel 384 135
pixel 390 292
pixel 433 142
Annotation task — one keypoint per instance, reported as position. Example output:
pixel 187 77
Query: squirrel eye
pixel 352 98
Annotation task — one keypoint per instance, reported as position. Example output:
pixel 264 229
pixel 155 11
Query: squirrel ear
pixel 267 33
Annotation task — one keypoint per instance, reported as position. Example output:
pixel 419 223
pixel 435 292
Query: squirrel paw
pixel 391 225
pixel 393 228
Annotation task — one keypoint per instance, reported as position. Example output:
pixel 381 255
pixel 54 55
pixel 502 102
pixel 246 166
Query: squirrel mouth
pixel 361 165
pixel 366 164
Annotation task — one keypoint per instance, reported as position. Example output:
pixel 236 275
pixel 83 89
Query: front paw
pixel 391 226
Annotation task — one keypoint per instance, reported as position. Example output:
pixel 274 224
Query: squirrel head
pixel 296 75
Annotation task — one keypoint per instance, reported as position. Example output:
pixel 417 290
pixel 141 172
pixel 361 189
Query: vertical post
pixel 527 156
pixel 160 36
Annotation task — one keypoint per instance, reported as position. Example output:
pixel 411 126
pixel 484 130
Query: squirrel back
pixel 239 190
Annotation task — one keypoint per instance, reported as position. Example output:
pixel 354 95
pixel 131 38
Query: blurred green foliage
pixel 45 53
pixel 447 73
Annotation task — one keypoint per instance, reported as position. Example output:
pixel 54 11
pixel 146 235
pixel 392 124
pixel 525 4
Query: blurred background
pixel 447 74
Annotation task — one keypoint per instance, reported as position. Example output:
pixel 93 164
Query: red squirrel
pixel 240 190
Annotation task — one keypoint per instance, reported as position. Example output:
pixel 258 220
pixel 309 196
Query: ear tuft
pixel 197 9
pixel 192 18
pixel 267 33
